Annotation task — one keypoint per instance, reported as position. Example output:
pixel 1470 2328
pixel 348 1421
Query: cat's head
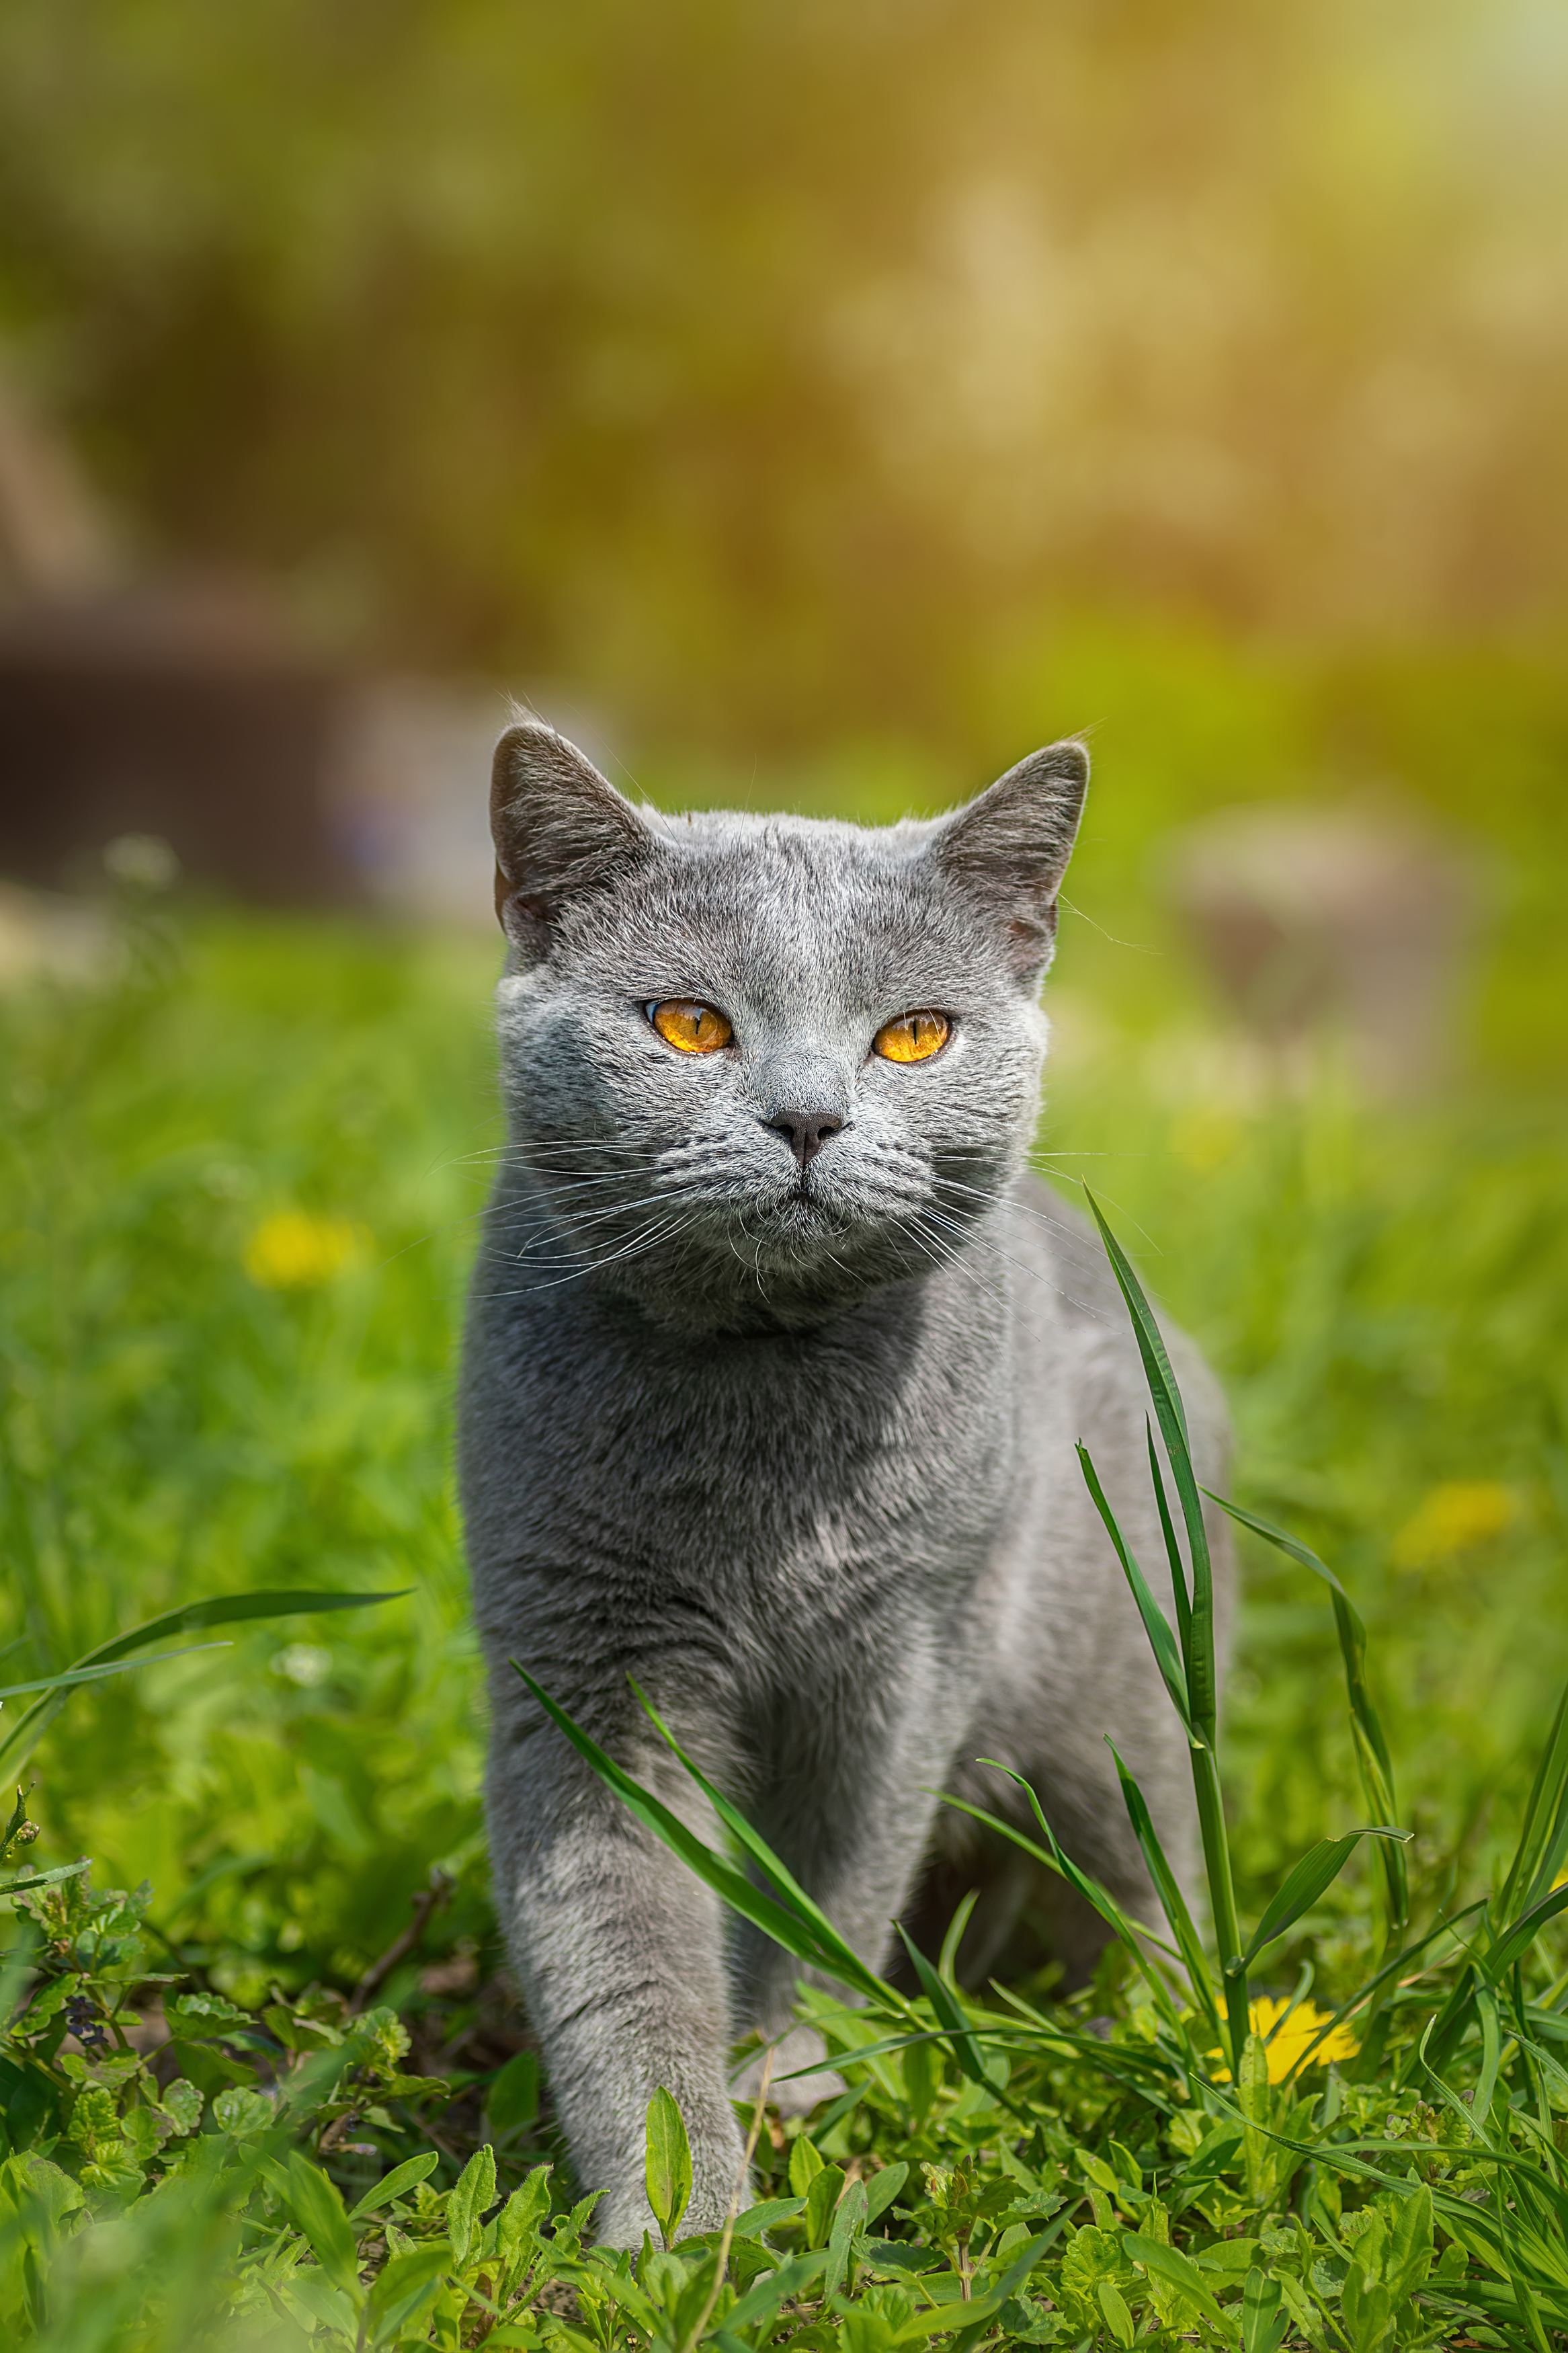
pixel 756 1066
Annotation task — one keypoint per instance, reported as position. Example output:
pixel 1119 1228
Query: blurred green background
pixel 835 403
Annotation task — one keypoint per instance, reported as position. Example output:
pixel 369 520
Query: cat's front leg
pixel 620 1951
pixel 855 1835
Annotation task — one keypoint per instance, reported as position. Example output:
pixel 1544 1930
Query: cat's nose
pixel 807 1130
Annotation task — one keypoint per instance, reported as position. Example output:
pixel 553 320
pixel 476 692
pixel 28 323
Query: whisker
pixel 506 1212
pixel 942 1254
pixel 977 1239
pixel 973 1238
pixel 1004 1200
pixel 552 1184
pixel 666 1230
pixel 563 1234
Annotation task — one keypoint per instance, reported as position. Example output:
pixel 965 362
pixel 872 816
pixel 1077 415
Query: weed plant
pixel 224 2129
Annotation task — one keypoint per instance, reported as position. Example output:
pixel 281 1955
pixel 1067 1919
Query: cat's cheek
pixel 1037 1029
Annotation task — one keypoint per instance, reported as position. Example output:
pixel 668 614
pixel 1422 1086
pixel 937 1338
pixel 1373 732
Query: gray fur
pixel 789 1442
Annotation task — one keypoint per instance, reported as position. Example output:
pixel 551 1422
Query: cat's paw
pixel 791 2093
pixel 622 2216
pixel 620 2221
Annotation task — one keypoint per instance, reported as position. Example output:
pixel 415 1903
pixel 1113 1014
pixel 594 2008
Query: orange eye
pixel 694 1028
pixel 913 1037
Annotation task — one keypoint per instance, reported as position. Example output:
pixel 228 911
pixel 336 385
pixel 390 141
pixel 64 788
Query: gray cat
pixel 774 1362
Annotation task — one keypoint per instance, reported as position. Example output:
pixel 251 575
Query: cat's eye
pixel 913 1037
pixel 695 1028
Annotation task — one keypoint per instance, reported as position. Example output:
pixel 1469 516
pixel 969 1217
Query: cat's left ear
pixel 560 831
pixel 1009 849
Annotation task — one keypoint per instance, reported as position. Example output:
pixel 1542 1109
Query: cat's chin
pixel 791 1264
pixel 802 1216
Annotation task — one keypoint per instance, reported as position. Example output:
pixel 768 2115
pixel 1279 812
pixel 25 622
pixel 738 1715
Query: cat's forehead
pixel 739 859
pixel 830 845
pixel 785 895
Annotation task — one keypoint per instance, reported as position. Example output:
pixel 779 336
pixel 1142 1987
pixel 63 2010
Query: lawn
pixel 239 1191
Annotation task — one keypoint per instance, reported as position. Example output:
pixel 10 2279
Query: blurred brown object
pixel 409 797
pixel 182 712
pixel 1322 923
pixel 54 538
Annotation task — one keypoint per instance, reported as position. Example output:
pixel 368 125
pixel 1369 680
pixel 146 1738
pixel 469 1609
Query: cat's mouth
pixel 814 1212
pixel 802 1212
pixel 804 1199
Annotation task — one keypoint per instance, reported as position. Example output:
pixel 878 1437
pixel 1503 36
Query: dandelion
pixel 1289 2031
pixel 1452 1518
pixel 292 1251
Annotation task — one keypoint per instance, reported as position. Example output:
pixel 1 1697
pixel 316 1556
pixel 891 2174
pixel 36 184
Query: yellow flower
pixel 1449 1519
pixel 1294 2029
pixel 292 1251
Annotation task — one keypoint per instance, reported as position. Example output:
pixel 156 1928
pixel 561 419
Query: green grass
pixel 173 1429
pixel 1384 1295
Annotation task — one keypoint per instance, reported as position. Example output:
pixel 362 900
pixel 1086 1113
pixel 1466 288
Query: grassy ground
pixel 238 1195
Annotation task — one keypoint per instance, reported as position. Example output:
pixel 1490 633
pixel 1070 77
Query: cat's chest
pixel 799 1471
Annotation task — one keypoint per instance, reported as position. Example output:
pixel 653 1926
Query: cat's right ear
pixel 560 829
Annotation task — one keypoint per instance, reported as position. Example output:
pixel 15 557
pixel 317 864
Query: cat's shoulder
pixel 1060 1241
pixel 1091 1317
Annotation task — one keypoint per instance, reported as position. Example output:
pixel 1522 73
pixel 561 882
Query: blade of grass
pixel 807 1933
pixel 1372 1746
pixel 1222 1894
pixel 1201 1714
pixel 1491 2056
pixel 1018 1838
pixel 1316 1871
pixel 1172 1550
pixel 74 1675
pixel 947 1963
pixel 1099 1899
pixel 1162 1641
pixel 1203 1697
pixel 783 1880
pixel 1517 1940
pixel 1058 1863
pixel 223 1609
pixel 23 1884
pixel 958 2033
pixel 1447 2029
pixel 1172 1901
pixel 1543 1833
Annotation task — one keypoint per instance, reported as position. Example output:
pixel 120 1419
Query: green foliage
pixel 119 1656
pixel 668 2167
pixel 207 2145
pixel 171 1427
pixel 1378 2261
